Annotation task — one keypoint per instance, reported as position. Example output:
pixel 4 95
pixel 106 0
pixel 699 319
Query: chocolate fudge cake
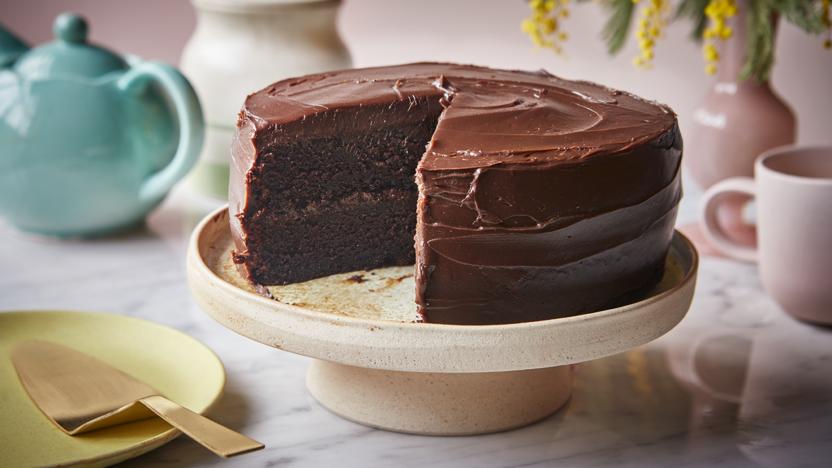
pixel 530 196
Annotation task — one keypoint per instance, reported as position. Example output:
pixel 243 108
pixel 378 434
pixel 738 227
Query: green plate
pixel 182 368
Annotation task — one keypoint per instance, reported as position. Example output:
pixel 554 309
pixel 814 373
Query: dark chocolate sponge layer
pixel 538 197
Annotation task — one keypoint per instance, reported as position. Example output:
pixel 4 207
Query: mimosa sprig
pixel 711 24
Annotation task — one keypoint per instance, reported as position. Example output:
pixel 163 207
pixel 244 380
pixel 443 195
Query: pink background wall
pixel 473 31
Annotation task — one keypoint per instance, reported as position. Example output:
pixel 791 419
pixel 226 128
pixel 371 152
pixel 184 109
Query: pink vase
pixel 736 121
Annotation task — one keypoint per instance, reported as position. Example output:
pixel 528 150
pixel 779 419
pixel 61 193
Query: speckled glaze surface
pixel 467 363
pixel 440 403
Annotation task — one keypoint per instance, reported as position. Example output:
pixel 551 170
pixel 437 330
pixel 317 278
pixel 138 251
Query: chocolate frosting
pixel 491 117
pixel 538 196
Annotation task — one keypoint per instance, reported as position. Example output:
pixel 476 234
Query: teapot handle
pixel 189 116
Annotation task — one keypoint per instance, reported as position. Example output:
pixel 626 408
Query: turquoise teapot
pixel 90 141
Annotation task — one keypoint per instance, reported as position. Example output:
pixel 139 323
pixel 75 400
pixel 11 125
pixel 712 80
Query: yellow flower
pixel 542 25
pixel 650 27
pixel 718 12
pixel 549 25
pixel 711 54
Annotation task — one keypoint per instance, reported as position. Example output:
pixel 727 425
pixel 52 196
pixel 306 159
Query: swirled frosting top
pixel 490 117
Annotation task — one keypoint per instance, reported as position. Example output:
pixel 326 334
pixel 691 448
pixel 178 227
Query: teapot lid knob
pixel 69 55
pixel 70 27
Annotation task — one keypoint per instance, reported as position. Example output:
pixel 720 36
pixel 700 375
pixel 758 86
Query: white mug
pixel 793 189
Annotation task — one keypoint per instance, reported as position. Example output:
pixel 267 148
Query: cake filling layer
pixel 369 229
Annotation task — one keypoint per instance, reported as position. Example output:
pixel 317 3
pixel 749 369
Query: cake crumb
pixel 357 279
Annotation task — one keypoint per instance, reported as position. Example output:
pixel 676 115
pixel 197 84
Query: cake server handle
pixel 215 437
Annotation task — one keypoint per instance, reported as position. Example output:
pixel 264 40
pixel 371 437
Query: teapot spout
pixel 11 47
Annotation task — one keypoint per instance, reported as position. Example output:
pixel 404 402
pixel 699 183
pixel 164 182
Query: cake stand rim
pixel 206 286
pixel 193 249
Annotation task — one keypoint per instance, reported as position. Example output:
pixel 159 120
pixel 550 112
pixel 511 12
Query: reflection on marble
pixel 713 392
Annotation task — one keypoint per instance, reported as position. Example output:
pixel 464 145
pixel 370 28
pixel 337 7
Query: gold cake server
pixel 80 394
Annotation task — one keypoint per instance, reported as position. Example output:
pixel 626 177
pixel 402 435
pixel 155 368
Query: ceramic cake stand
pixel 373 365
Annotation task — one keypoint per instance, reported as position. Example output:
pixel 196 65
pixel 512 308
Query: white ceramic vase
pixel 241 46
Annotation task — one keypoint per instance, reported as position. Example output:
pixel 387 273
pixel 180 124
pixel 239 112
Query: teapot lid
pixel 69 55
pixel 11 47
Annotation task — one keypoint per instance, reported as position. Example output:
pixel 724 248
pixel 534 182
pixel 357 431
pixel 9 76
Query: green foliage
pixel 617 27
pixel 759 52
pixel 806 14
pixel 761 15
pixel 694 10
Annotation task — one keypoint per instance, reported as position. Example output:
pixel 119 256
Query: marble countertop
pixel 737 383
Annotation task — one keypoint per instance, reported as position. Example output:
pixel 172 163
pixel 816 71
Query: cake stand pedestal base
pixel 440 403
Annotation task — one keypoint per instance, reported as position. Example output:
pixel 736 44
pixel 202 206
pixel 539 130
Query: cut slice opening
pixel 340 202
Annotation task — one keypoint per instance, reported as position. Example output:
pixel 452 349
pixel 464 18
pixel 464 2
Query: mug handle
pixel 712 229
pixel 189 117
